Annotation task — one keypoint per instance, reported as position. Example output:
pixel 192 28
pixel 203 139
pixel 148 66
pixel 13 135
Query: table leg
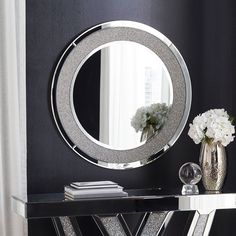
pixel 151 224
pixel 201 224
pixel 66 226
pixel 157 223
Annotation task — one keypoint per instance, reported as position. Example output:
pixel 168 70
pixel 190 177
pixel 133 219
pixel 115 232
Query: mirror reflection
pixel 122 95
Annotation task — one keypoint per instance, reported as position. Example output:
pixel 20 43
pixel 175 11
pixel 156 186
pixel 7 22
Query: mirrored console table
pixel 154 206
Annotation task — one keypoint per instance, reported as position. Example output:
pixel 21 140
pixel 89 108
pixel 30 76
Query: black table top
pixel 138 200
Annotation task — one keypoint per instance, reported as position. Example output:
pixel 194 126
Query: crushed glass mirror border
pixel 62 86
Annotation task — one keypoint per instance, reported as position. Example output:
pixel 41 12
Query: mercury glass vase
pixel 213 163
pixel 147 133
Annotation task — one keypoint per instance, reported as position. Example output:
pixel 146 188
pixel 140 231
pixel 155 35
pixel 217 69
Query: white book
pixel 94 184
pixel 97 195
pixel 73 191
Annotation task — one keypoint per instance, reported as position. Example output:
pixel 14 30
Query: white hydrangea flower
pixel 196 133
pixel 140 119
pixel 213 125
pixel 154 115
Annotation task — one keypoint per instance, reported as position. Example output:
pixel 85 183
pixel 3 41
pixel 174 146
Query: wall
pixel 203 31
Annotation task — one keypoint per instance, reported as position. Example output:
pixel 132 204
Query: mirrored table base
pixel 149 224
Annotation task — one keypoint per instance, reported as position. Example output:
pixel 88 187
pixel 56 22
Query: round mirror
pixel 128 77
pixel 121 94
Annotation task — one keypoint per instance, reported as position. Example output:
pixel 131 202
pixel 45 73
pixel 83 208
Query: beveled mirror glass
pixel 121 94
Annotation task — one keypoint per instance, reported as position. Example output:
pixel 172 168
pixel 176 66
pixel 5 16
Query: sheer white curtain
pixel 12 114
pixel 122 92
pixel 132 76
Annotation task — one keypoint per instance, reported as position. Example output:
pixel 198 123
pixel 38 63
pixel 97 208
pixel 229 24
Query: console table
pixel 156 205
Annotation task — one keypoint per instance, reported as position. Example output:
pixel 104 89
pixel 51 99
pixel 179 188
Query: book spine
pixel 95 187
pixel 72 191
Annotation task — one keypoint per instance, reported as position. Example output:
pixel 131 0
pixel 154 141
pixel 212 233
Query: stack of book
pixel 94 189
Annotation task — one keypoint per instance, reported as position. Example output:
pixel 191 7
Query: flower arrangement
pixel 153 116
pixel 212 126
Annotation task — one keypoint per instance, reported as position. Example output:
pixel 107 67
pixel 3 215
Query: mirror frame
pixel 63 81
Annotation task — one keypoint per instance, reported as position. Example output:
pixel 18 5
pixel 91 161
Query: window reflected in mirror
pixel 114 83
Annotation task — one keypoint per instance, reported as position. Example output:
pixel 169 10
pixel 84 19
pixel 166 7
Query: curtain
pixel 12 114
pixel 132 76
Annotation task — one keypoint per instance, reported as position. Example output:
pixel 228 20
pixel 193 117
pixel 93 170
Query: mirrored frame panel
pixel 62 91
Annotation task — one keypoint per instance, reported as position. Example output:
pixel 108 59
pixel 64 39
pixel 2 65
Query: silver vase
pixel 147 133
pixel 213 164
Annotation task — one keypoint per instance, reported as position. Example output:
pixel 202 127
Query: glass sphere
pixel 190 173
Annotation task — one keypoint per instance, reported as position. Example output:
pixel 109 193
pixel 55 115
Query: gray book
pixel 94 185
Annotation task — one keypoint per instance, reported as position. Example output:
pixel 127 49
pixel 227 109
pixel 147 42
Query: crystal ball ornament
pixel 190 174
